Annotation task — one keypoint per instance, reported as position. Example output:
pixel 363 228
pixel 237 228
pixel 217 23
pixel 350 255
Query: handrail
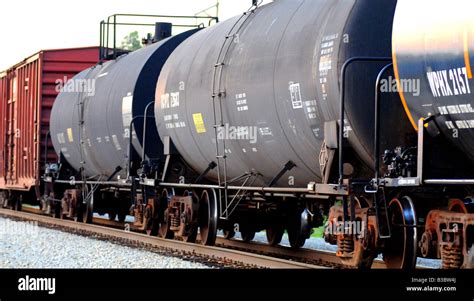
pixel 342 101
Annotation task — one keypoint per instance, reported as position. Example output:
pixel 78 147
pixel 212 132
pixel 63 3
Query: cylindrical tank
pixel 280 84
pixel 433 50
pixel 98 105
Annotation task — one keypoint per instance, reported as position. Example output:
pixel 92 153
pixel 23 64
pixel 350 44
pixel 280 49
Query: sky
pixel 27 26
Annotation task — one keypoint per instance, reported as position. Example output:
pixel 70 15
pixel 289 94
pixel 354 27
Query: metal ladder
pixel 218 94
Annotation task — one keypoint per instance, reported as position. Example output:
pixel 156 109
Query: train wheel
pixel 153 228
pixel 360 243
pixel 123 210
pixel 299 229
pixel 122 216
pixel 58 210
pixel 150 227
pixel 164 230
pixel 191 238
pixel 470 260
pixel 469 204
pixel 229 234
pixel 400 251
pixel 18 203
pixel 275 235
pixel 87 213
pixel 164 226
pixel 247 235
pixel 363 256
pixel 193 226
pixel 3 199
pixel 8 202
pixel 112 215
pixel 152 218
pixel 208 217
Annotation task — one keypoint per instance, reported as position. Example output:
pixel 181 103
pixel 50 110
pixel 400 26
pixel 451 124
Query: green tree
pixel 132 42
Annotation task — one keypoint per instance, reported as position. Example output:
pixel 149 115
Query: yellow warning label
pixel 70 137
pixel 199 123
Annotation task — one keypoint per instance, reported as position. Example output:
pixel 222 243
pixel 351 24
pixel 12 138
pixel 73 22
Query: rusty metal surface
pixel 357 248
pixel 213 252
pixel 3 125
pixel 324 258
pixel 27 94
pixel 309 257
pixel 447 237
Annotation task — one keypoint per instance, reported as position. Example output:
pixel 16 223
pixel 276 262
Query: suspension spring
pixel 345 244
pixel 452 257
pixel 175 222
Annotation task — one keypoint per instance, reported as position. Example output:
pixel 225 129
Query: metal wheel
pixel 193 227
pixel 400 251
pixel 18 203
pixel 363 256
pixel 151 228
pixel 152 218
pixel 87 213
pixel 164 224
pixel 122 216
pixel 123 209
pixel 275 235
pixel 208 217
pixel 299 229
pixel 112 215
pixel 469 203
pixel 229 234
pixel 247 235
pixel 164 229
pixel 470 260
pixel 58 210
pixel 86 208
pixel 3 199
pixel 191 238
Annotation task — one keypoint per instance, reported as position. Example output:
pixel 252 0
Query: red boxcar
pixel 27 94
pixel 3 126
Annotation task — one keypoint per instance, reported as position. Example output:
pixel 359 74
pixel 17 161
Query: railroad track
pixel 315 257
pixel 260 254
pixel 217 254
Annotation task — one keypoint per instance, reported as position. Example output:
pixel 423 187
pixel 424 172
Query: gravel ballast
pixel 26 245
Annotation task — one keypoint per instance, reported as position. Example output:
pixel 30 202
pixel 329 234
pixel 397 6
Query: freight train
pixel 356 115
